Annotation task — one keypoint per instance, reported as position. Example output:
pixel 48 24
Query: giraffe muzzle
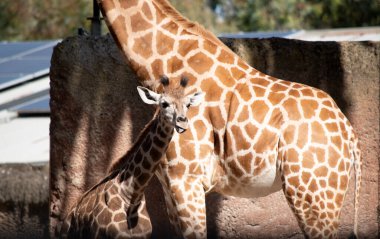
pixel 181 124
pixel 179 129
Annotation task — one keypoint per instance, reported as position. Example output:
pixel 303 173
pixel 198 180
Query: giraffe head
pixel 173 103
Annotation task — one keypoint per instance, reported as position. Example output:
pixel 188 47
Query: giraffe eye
pixel 188 105
pixel 165 104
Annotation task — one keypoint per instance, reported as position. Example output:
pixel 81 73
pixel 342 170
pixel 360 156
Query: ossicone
pixel 164 80
pixel 184 81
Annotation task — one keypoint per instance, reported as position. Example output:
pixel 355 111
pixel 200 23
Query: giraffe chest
pixel 249 163
pixel 250 175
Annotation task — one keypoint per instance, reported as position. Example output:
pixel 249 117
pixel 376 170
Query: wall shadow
pixel 96 115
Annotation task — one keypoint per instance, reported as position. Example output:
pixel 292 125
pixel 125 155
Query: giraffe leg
pixel 186 206
pixel 316 205
pixel 189 199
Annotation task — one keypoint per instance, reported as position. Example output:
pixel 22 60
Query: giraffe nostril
pixel 181 119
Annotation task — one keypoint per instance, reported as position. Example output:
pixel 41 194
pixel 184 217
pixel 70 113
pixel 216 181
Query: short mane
pixel 190 26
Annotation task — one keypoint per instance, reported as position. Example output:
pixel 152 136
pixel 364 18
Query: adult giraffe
pixel 254 134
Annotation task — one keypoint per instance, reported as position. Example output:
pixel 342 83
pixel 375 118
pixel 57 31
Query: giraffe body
pixel 115 207
pixel 254 134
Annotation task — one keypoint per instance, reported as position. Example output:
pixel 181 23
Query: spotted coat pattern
pixel 254 134
pixel 115 207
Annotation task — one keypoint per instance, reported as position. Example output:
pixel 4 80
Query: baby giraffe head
pixel 172 103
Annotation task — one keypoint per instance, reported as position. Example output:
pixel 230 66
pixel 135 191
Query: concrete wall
pixel 96 115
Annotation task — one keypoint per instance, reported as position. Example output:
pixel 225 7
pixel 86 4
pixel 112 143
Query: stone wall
pixel 96 115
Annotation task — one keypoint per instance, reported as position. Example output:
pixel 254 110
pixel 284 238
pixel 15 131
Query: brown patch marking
pixel 244 114
pixel 157 68
pixel 294 93
pixel 292 155
pixel 259 109
pixel 119 217
pixel 146 10
pixel 200 128
pixel 164 43
pixel 142 45
pixel 333 180
pixel 128 4
pixel 214 92
pixel 295 168
pixel 240 141
pixel 120 30
pixel 245 162
pixel 225 57
pixel 194 169
pixel 309 107
pixel 302 138
pixel 318 133
pixel 251 130
pixel 104 217
pixel 334 157
pixel 139 23
pixel 177 171
pixel 224 76
pixel 235 169
pixel 174 64
pixel 306 177
pixel 171 27
pixel 307 160
pixel 291 107
pixel 278 87
pixel 188 151
pixel 321 171
pixel 210 47
pixel 307 92
pixel 237 73
pixel 289 134
pixel 216 118
pixel 185 46
pixel 266 141
pixel 244 92
pixel 260 81
pixel 343 182
pixel 275 98
pixel 200 62
pixel 259 92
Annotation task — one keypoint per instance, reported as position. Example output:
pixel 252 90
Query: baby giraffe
pixel 115 207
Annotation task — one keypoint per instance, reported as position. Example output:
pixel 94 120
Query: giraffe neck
pixel 158 41
pixel 137 172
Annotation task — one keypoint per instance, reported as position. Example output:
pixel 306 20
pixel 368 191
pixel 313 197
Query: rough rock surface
pixel 96 115
pixel 24 192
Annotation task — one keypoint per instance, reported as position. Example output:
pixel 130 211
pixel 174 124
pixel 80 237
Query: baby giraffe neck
pixel 141 167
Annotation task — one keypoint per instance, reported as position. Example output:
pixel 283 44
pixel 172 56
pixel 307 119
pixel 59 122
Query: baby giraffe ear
pixel 196 98
pixel 148 96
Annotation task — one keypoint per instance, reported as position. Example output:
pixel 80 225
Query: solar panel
pixel 24 67
pixel 40 104
pixel 20 62
pixel 9 49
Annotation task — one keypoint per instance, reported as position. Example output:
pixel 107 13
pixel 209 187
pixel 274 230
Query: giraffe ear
pixel 148 96
pixel 196 99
